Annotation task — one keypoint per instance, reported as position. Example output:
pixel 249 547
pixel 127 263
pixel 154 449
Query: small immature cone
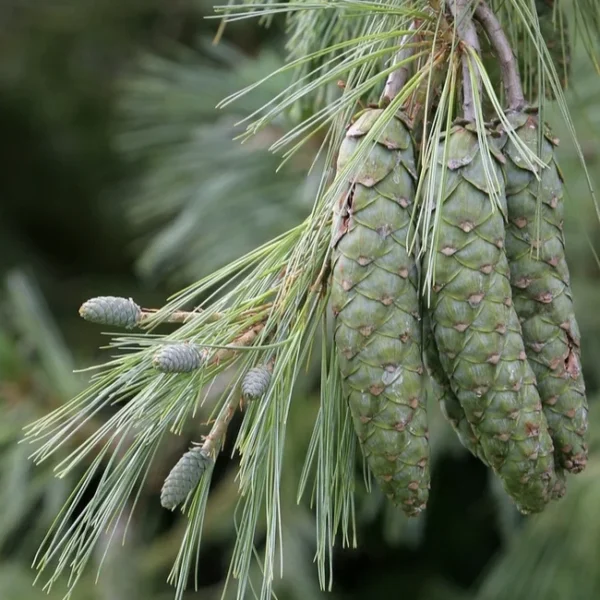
pixel 476 328
pixel 376 304
pixel 542 291
pixel 183 478
pixel 177 358
pixel 256 382
pixel 111 310
pixel 442 392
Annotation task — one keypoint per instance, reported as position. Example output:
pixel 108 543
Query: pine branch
pixel 179 316
pixel 461 11
pixel 211 443
pixel 508 64
pixel 246 339
pixel 396 80
pixel 154 315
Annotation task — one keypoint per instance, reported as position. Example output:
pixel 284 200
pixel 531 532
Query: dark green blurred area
pixel 96 198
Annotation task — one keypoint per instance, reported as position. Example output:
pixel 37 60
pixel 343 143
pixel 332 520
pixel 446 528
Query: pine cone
pixel 376 303
pixel 442 393
pixel 177 358
pixel 183 478
pixel 111 310
pixel 256 382
pixel 542 292
pixel 477 330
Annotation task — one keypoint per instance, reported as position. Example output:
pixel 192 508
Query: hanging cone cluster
pixel 501 345
pixel 541 288
pixel 376 303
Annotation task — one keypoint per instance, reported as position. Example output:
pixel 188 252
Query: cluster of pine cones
pixel 492 333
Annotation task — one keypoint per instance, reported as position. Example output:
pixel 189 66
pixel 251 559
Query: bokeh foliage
pixel 121 175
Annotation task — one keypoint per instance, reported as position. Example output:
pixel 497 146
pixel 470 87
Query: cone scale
pixel 541 289
pixel 444 396
pixel 475 326
pixel 375 301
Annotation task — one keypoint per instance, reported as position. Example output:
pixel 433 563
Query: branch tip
pixel 461 10
pixel 397 79
pixel 508 64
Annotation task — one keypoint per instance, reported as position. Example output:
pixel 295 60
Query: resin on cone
pixel 475 325
pixel 376 304
pixel 541 289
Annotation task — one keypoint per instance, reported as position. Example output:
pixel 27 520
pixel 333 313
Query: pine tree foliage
pixel 271 305
pixel 184 153
pixel 31 497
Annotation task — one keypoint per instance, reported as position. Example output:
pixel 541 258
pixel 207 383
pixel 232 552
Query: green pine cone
pixel 111 310
pixel 183 478
pixel 476 328
pixel 542 292
pixel 177 358
pixel 442 393
pixel 256 382
pixel 560 485
pixel 376 304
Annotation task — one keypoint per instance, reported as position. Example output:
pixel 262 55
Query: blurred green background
pixel 119 177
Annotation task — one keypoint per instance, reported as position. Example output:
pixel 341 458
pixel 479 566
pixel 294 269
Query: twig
pixel 181 316
pixel 508 64
pixel 245 339
pixel 397 79
pixel 219 428
pixel 461 11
